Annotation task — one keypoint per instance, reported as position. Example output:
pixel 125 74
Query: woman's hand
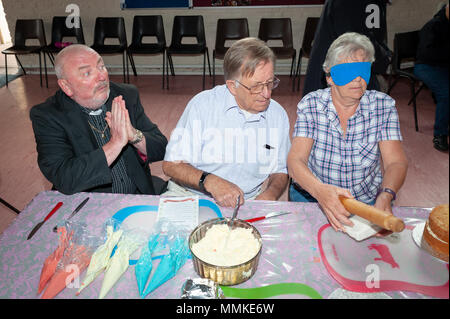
pixel 328 198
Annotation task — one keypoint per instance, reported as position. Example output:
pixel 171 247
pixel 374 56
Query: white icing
pixel 240 247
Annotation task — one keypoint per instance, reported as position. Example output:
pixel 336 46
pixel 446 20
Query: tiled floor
pixel 426 185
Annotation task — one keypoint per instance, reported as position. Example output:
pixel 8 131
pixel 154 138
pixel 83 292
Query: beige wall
pixel 402 15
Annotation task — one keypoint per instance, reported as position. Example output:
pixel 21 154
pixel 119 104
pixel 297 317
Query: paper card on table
pixel 362 228
pixel 182 211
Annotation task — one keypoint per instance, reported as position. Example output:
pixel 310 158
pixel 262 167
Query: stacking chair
pixel 28 29
pixel 148 26
pixel 279 29
pixel 305 50
pixel 61 31
pixel 188 26
pixel 405 47
pixel 111 27
pixel 227 29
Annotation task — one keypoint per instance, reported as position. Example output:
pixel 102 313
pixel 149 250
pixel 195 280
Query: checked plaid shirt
pixel 351 161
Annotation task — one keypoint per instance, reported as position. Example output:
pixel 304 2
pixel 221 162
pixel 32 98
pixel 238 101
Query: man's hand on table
pixel 383 202
pixel 224 192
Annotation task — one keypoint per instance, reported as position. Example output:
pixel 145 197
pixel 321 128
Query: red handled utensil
pixel 269 215
pixel 35 229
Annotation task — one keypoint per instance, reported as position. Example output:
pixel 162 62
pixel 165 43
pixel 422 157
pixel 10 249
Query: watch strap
pixel 201 182
pixel 389 191
pixel 138 137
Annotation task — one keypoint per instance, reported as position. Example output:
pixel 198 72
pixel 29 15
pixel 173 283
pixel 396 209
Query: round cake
pixel 435 233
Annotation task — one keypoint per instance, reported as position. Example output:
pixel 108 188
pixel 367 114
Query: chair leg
pixel 214 71
pixel 167 71
pixel 40 67
pixel 169 58
pixel 416 93
pixel 299 71
pixel 6 68
pixel 392 85
pixel 209 65
pixel 123 67
pixel 51 58
pixel 204 70
pixel 21 66
pixel 8 204
pixel 163 70
pixel 293 73
pixel 133 66
pixel 45 70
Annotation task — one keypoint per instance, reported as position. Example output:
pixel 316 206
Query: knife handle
pixel 53 211
pixel 251 220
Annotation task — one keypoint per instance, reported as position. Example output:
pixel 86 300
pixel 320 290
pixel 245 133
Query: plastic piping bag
pixel 101 256
pixel 144 265
pixel 119 262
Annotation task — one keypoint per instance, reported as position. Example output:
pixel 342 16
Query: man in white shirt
pixel 233 138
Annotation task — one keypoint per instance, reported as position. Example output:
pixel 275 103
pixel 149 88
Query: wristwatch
pixel 389 191
pixel 137 137
pixel 201 182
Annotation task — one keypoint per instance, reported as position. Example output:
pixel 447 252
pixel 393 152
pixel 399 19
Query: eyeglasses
pixel 258 88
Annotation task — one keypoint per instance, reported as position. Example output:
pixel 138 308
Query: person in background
pixel 343 134
pixel 93 134
pixel 431 67
pixel 233 138
pixel 367 17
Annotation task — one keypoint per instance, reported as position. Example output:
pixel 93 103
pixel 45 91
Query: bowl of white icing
pixel 226 251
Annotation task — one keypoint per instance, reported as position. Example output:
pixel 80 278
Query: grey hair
pixel 345 46
pixel 243 57
pixel 60 59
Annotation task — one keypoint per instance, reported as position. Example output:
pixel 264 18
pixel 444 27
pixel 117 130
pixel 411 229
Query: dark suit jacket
pixel 339 17
pixel 69 156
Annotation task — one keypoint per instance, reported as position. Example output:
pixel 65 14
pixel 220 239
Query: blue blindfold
pixel 346 72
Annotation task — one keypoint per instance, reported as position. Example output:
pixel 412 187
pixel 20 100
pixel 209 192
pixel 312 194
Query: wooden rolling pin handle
pixel 372 214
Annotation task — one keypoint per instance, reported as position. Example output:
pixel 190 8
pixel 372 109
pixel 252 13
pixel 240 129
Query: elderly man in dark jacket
pixel 93 134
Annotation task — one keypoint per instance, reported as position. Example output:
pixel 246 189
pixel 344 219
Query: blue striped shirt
pixel 351 161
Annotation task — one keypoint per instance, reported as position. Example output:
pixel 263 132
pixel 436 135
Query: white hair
pixel 345 46
pixel 60 59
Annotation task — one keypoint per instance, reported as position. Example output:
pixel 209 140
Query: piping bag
pixel 101 256
pixel 119 262
pixel 144 265
pixel 50 264
pixel 75 259
pixel 177 239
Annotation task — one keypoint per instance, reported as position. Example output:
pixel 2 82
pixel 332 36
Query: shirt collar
pixel 230 103
pixel 364 106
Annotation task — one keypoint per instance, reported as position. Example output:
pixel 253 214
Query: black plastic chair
pixel 227 29
pixel 111 27
pixel 28 29
pixel 188 26
pixel 61 31
pixel 279 29
pixel 148 26
pixel 405 47
pixel 305 50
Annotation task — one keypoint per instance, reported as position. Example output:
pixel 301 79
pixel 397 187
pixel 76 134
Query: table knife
pixel 35 229
pixel 76 210
pixel 269 215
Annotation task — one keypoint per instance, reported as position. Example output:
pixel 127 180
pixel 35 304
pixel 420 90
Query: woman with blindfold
pixel 347 139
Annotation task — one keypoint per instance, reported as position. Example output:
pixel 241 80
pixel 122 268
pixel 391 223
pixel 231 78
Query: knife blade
pixel 35 229
pixel 269 215
pixel 76 210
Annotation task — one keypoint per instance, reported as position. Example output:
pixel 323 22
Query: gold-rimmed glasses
pixel 258 88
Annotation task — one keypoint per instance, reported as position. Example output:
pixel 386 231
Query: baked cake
pixel 435 234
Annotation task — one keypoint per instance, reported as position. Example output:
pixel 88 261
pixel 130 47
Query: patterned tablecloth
pixel 290 246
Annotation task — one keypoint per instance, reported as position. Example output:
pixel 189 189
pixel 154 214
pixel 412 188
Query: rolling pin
pixel 372 214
